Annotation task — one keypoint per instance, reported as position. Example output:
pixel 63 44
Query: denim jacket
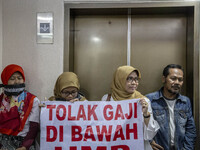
pixel 185 131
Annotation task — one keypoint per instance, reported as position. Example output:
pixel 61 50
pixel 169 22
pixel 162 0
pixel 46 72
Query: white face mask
pixel 14 90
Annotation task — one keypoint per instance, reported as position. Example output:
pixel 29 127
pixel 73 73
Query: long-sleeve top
pixel 150 130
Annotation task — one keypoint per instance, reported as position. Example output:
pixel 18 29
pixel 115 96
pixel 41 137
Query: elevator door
pixel 156 42
pixel 100 46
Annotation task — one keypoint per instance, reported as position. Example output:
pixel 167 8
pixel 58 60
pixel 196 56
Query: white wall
pixel 42 63
pixel 0 36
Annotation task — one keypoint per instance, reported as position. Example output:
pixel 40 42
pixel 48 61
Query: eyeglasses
pixel 67 93
pixel 131 79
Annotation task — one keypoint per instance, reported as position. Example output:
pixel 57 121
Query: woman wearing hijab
pixel 123 87
pixel 67 88
pixel 19 111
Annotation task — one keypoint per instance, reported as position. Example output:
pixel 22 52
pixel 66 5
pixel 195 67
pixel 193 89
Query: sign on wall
pixel 44 27
pixel 92 125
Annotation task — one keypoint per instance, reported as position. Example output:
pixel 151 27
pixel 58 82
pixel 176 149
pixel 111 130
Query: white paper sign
pixel 92 125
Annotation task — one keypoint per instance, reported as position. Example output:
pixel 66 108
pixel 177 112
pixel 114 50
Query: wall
pixel 42 63
pixel 1 39
pixel 0 36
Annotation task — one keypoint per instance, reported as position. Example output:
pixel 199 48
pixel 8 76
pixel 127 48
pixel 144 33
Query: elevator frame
pixel 190 8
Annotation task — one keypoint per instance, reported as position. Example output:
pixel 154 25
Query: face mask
pixel 13 90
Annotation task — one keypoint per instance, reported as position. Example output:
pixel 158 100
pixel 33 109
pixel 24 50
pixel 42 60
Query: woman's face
pixel 16 78
pixel 69 93
pixel 132 82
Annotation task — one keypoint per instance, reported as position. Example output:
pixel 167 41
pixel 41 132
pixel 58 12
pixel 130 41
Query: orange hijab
pixel 119 82
pixel 9 71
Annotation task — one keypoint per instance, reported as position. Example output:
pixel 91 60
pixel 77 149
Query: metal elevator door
pixel 156 42
pixel 100 46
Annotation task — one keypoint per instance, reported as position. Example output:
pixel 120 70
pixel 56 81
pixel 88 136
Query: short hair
pixel 166 69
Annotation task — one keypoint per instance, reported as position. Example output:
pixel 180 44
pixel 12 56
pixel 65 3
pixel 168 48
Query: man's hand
pixel 156 146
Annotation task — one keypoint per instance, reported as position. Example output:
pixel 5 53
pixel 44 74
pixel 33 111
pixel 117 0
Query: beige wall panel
pixel 100 47
pixel 156 42
pixel 1 37
pixel 1 11
pixel 42 62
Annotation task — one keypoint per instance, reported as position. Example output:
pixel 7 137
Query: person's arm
pixel 31 135
pixel 151 126
pixel 33 125
pixel 190 131
pixel 145 112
